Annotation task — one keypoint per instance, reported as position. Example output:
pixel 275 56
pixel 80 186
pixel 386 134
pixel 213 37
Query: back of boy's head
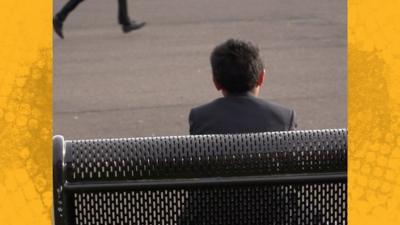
pixel 236 65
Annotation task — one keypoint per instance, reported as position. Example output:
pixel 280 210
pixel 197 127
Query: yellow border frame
pixel 26 112
pixel 374 111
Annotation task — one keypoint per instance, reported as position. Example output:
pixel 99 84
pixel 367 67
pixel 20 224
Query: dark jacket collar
pixel 240 94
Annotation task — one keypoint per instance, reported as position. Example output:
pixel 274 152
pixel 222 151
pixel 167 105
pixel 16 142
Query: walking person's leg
pixel 123 17
pixel 124 20
pixel 60 17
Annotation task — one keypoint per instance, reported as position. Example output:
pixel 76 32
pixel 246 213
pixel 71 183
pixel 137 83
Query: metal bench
pixel 296 177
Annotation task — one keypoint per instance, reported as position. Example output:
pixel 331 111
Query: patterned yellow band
pixel 374 111
pixel 25 112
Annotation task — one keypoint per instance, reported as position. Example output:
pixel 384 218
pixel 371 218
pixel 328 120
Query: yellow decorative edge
pixel 374 111
pixel 25 112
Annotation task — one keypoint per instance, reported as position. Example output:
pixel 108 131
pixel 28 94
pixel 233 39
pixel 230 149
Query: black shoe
pixel 133 25
pixel 58 27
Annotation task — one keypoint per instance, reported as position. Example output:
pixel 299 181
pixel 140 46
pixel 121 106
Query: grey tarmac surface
pixel 108 84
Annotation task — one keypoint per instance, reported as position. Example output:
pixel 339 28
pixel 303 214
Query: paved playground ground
pixel 109 84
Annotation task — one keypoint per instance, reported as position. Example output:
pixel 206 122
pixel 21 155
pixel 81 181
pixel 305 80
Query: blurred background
pixel 109 84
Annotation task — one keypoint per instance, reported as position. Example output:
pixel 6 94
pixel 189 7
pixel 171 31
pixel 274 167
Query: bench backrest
pixel 296 177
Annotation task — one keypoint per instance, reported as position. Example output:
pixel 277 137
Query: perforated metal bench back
pixel 296 177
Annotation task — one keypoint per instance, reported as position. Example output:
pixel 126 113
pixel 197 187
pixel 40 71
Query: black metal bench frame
pixel 331 169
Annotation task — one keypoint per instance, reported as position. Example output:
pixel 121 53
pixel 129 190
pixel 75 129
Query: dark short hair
pixel 236 65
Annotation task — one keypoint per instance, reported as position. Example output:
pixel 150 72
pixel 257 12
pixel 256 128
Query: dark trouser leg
pixel 123 17
pixel 67 9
